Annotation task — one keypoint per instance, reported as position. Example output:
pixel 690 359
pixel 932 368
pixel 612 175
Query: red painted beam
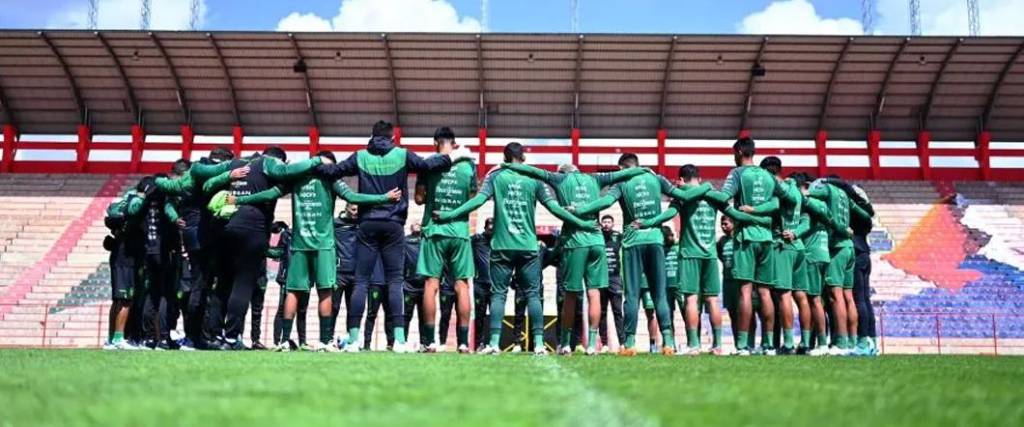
pixel 820 140
pixel 10 135
pixel 314 141
pixel 237 136
pixel 924 157
pixel 82 147
pixel 744 133
pixel 188 137
pixel 138 140
pixel 574 149
pixel 662 149
pixel 398 135
pixel 874 143
pixel 984 155
pixel 481 152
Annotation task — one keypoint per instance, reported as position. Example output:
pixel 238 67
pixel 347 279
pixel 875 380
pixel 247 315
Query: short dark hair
pixel 607 216
pixel 689 171
pixel 275 152
pixel 629 160
pixel 833 176
pixel 444 133
pixel 278 227
pixel 744 147
pixel 800 178
pixel 772 164
pixel 180 167
pixel 383 128
pixel 328 154
pixel 514 151
pixel 221 154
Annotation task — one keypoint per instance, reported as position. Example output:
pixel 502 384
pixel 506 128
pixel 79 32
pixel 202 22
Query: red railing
pixel 46 335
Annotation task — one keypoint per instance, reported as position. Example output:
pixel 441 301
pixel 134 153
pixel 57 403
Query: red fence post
pixel 481 163
pixel 924 158
pixel 82 148
pixel 314 141
pixel 398 135
pixel 874 150
pixel 237 136
pixel 188 136
pixel 574 135
pixel 138 139
pixel 10 133
pixel 820 139
pixel 984 159
pixel 662 138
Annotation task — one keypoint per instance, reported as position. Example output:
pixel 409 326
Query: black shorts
pixel 124 273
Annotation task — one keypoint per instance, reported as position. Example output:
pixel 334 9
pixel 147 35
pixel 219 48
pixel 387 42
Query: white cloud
pixel 796 17
pixel 385 15
pixel 949 17
pixel 125 14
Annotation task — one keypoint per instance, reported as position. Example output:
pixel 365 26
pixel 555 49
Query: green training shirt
pixel 815 238
pixel 790 215
pixel 445 191
pixel 839 209
pixel 697 238
pixel 672 256
pixel 751 186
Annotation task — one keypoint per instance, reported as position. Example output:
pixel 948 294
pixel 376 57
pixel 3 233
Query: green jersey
pixel 726 246
pixel 578 189
pixel 313 211
pixel 640 199
pixel 750 186
pixel 839 209
pixel 447 190
pixel 815 238
pixel 672 256
pixel 790 215
pixel 697 238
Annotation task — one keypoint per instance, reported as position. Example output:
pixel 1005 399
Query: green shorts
pixel 815 277
pixel 584 264
pixel 754 262
pixel 699 275
pixel 840 269
pixel 787 262
pixel 308 267
pixel 800 282
pixel 436 252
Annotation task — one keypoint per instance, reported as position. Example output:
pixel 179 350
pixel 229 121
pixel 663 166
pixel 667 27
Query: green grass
pixel 80 387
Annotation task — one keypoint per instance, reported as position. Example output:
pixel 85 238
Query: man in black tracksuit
pixel 412 287
pixel 161 225
pixel 381 167
pixel 482 282
pixel 345 229
pixel 612 295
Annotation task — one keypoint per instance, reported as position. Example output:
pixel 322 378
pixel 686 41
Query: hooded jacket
pixel 381 167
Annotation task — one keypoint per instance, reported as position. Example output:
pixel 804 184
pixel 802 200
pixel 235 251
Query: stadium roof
pixel 516 85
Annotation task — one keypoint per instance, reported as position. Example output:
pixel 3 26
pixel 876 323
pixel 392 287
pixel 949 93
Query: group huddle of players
pixel 196 243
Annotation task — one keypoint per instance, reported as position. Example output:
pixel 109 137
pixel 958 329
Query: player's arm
pixel 549 202
pixel 605 179
pixel 684 196
pixel 176 186
pixel 264 196
pixel 745 218
pixel 603 202
pixel 729 188
pixel 347 167
pixel 819 192
pixel 532 172
pixel 665 215
pixel 432 163
pixel 345 193
pixel 280 171
pixel 171 212
pixel 857 211
pixel 217 183
pixel 803 228
pixel 787 192
pixel 766 208
pixel 486 191
pixel 135 203
pixel 201 171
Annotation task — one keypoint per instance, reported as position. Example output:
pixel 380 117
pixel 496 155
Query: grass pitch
pixel 83 387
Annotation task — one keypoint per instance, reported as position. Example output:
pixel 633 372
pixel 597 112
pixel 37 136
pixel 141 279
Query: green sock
pixel 863 342
pixel 767 341
pixel 428 333
pixel 853 340
pixel 592 338
pixel 538 341
pixel 118 337
pixel 286 329
pixel 822 340
pixel 326 331
pixel 353 335
pixel 805 338
pixel 630 341
pixel 668 338
pixel 495 338
pixel 399 335
pixel 566 337
pixel 716 337
pixel 741 340
pixel 692 339
pixel 462 335
pixel 841 341
pixel 787 338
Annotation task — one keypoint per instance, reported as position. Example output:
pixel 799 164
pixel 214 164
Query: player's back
pixel 515 202
pixel 640 199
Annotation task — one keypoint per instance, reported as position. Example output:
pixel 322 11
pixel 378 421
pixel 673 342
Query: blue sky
pixel 613 16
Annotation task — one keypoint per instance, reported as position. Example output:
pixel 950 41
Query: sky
pixel 939 17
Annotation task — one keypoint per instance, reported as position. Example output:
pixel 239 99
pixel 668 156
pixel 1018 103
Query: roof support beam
pixel 133 103
pixel 926 112
pixel 665 80
pixel 884 90
pixel 994 94
pixel 826 103
pixel 576 83
pixel 482 112
pixel 391 78
pixel 179 91
pixel 227 77
pixel 76 94
pixel 310 104
pixel 749 99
